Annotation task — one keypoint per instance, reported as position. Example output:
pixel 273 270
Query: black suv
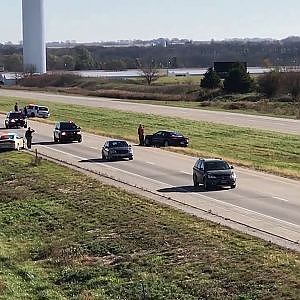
pixel 213 172
pixel 66 132
pixel 15 119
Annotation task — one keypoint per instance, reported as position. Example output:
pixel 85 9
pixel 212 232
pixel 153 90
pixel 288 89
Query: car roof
pixel 115 141
pixel 65 122
pixel 169 131
pixel 211 159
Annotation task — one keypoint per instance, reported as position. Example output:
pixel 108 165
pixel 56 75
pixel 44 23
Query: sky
pixel 103 20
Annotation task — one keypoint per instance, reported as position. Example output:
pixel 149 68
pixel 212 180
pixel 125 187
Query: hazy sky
pixel 96 20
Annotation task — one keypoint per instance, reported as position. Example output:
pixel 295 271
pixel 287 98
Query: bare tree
pixel 270 83
pixel 149 70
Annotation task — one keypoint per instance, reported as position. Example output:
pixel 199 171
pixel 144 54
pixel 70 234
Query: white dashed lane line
pixel 281 199
pixel 185 173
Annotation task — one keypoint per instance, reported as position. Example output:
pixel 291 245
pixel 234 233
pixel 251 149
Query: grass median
pixel 67 236
pixel 257 149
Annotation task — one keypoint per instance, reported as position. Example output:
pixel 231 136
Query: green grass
pixel 66 236
pixel 265 108
pixel 262 150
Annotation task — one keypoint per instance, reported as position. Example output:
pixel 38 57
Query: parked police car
pixel 15 119
pixel 11 141
pixel 66 131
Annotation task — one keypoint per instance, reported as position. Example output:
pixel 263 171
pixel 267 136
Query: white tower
pixel 34 46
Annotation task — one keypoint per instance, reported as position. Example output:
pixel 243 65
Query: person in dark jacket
pixel 16 107
pixel 25 111
pixel 141 135
pixel 28 136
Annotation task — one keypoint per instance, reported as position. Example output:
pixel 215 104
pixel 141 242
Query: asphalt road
pixel 262 201
pixel 258 122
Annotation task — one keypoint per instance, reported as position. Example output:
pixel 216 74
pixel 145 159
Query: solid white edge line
pixel 168 185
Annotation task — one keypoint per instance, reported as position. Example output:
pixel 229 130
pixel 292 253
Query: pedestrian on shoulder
pixel 16 107
pixel 28 136
pixel 141 135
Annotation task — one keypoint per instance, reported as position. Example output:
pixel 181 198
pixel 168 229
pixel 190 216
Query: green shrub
pixel 238 80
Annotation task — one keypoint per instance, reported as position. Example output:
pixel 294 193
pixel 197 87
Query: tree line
pixel 264 53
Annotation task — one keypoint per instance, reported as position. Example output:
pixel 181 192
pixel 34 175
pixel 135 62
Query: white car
pixel 37 111
pixel 11 141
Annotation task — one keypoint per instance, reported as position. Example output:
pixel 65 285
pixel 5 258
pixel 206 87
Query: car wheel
pixel 196 183
pixel 32 115
pixel 233 186
pixel 80 140
pixel 131 158
pixel 147 142
pixel 205 185
pixel 55 139
pixel 103 156
pixel 25 126
pixel 166 144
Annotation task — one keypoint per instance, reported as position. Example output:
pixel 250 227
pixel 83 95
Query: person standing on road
pixel 28 136
pixel 25 111
pixel 16 107
pixel 141 135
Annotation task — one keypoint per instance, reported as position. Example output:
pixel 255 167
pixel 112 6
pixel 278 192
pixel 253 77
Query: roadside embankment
pixel 67 236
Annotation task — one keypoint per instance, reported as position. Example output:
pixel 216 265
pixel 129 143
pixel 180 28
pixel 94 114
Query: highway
pixel 267 202
pixel 251 121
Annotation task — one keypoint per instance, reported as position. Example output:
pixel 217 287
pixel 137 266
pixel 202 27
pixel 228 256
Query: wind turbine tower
pixel 34 45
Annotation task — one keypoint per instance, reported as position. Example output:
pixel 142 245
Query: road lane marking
pixel 281 199
pixel 171 186
pixel 150 163
pixel 63 152
pixel 185 173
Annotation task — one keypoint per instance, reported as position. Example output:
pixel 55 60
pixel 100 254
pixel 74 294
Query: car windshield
pixel 68 126
pixel 43 108
pixel 15 115
pixel 117 144
pixel 7 137
pixel 216 165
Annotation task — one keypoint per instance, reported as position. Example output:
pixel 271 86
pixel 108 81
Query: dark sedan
pixel 166 138
pixel 116 150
